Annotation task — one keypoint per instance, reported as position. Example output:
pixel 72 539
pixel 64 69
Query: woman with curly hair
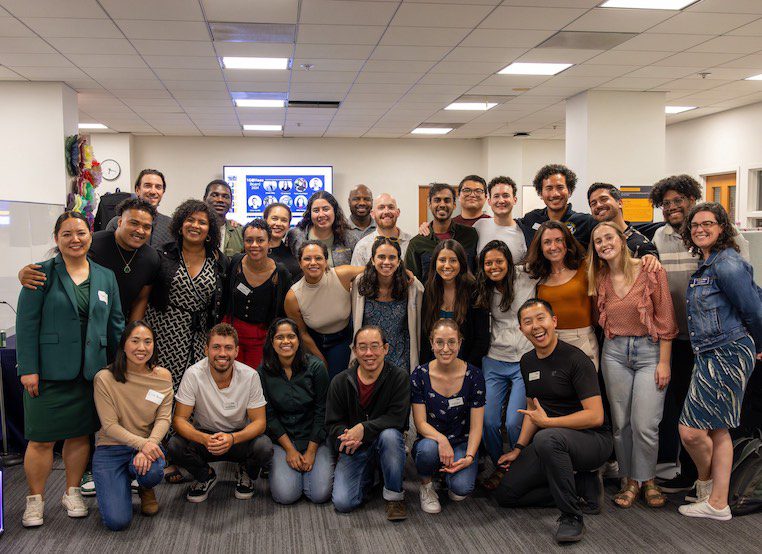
pixel 324 221
pixel 725 325
pixel 382 296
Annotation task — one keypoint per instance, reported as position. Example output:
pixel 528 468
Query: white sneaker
pixel 455 497
pixel 74 503
pixel 704 509
pixel 429 499
pixel 35 506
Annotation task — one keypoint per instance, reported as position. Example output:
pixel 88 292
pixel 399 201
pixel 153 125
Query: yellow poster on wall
pixel 636 206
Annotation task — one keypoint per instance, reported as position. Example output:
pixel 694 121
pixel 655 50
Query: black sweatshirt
pixel 389 406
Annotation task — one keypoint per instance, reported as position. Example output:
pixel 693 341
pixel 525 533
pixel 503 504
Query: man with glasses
pixel 501 193
pixel 472 194
pixel 385 213
pixel 367 411
pixel 219 196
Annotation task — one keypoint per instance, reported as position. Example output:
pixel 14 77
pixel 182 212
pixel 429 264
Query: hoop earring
pixel 208 239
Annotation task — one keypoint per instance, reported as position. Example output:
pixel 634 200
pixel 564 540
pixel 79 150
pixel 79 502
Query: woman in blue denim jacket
pixel 725 324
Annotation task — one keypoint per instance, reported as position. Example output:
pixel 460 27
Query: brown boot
pixel 148 503
pixel 396 510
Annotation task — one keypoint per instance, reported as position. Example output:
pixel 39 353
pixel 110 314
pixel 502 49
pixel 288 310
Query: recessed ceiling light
pixel 471 106
pixel 92 126
pixel 431 130
pixel 525 68
pixel 263 127
pixel 259 103
pixel 754 78
pixel 648 4
pixel 254 63
pixel 678 109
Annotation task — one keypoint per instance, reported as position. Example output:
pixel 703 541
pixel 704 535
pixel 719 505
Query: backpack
pixel 745 494
pixel 107 208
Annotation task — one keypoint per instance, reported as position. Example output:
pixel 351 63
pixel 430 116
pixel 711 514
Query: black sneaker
pixel 244 488
pixel 590 490
pixel 199 490
pixel 570 528
pixel 676 484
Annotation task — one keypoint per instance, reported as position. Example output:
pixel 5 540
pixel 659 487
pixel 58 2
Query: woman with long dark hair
pixel 383 296
pixel 295 384
pixel 278 217
pixel 725 324
pixel 256 291
pixel 502 288
pixel 134 400
pixel 324 221
pixel 450 294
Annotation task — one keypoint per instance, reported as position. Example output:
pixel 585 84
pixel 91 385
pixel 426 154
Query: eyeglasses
pixel 440 344
pixel 705 225
pixel 373 347
pixel 677 202
pixel 468 192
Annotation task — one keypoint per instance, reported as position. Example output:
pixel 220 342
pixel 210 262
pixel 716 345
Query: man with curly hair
pixel 555 183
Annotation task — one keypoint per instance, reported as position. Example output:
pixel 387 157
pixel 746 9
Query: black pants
pixel 193 456
pixel 543 475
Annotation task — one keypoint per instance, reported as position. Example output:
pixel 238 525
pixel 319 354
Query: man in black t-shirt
pixel 564 428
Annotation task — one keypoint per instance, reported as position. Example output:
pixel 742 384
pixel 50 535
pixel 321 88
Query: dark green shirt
pixel 296 407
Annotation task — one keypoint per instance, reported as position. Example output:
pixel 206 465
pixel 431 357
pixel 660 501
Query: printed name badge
pixel 230 404
pixel 700 281
pixel 243 289
pixel 455 402
pixel 103 296
pixel 154 396
pixel 536 226
pixel 534 375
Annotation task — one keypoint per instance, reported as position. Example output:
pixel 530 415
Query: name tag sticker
pixel 230 404
pixel 244 289
pixel 455 402
pixel 536 226
pixel 103 296
pixel 700 281
pixel 154 396
pixel 534 375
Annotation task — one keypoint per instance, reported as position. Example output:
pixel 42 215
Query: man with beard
pixel 564 429
pixel 219 196
pixel 226 401
pixel 151 186
pixel 441 204
pixel 606 205
pixel 360 222
pixel 385 213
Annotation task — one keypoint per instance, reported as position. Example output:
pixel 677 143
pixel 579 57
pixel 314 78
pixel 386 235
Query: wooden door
pixel 423 203
pixel 722 189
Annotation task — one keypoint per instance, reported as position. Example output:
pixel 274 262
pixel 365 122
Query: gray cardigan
pixel 340 252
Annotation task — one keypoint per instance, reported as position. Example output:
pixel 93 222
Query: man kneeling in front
pixel 228 407
pixel 367 410
pixel 563 431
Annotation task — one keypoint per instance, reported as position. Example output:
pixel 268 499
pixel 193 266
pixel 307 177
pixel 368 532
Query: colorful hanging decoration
pixel 86 176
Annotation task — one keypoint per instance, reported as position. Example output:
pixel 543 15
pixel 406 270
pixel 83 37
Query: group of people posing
pixel 321 356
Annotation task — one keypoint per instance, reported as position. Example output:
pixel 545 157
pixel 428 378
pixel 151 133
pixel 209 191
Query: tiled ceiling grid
pixel 151 67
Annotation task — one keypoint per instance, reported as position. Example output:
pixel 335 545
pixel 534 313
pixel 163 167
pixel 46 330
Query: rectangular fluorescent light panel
pixel 254 63
pixel 754 78
pixel 648 4
pixel 678 109
pixel 431 130
pixel 524 68
pixel 263 127
pixel 471 106
pixel 259 103
pixel 92 126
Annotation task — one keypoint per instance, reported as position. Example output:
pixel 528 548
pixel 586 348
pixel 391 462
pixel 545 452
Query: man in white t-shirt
pixel 226 401
pixel 385 213
pixel 501 195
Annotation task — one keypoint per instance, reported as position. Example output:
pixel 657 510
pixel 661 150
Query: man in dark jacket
pixel 367 410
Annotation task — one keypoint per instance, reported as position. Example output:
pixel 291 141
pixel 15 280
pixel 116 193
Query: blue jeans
pixel 112 472
pixel 497 376
pixel 287 484
pixel 335 348
pixel 426 458
pixel 354 472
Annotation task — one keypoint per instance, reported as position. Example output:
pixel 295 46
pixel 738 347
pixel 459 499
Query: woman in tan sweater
pixel 133 397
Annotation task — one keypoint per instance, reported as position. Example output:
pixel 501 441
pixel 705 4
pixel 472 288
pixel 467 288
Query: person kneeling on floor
pixel 564 429
pixel 226 401
pixel 367 410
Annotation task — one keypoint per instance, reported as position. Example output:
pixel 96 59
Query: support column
pixel 614 137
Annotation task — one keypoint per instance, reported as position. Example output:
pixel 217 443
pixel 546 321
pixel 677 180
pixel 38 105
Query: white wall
pixel 720 143
pixel 115 146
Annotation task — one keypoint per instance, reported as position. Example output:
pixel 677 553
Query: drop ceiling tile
pixel 73 28
pixel 588 70
pixel 752 29
pixel 691 84
pixel 728 73
pixel 423 36
pixel 128 95
pixel 471 54
pixel 432 53
pixel 257 75
pixel 379 88
pixel 315 96
pixel 620 57
pixel 494 38
pixel 107 73
pixel 335 90
pixel 739 6
pixel 107 60
pixel 172 74
pixel 71 8
pixel 451 117
pixel 34 60
pixel 731 45
pixel 323 76
pixel 634 83
pixel 252 11
pixel 340 51
pixel 166 30
pixel 392 66
pixel 254 49
pixel 87 45
pixel 558 55
pixel 515 80
pixel 9 75
pixel 346 13
pixel 421 15
pixel 339 34
pixel 201 98
pixel 131 84
pixel 198 87
pixel 523 17
pixel 259 86
pixel 24 45
pixel 702 23
pixel 619 20
pixel 182 62
pixel 330 64
pixel 388 97
pixel 166 10
pixel 662 42
pixel 654 71
pixel 50 73
pixel 173 47
pixel 696 59
pixel 399 78
pixel 465 68
pixel 439 79
pixel 753 61
pixel 13 28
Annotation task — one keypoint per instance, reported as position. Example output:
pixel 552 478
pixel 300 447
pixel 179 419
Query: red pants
pixel 251 341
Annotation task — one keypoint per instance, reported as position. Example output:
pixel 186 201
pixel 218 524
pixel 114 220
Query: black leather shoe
pixel 590 490
pixel 570 528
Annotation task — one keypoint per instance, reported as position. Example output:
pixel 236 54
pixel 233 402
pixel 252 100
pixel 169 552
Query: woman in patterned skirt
pixel 725 324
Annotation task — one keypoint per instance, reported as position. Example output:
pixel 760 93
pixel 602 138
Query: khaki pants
pixel 584 339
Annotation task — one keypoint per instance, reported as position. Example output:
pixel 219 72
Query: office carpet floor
pixel 223 524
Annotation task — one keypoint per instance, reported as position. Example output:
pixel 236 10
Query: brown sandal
pixel 625 498
pixel 494 480
pixel 653 496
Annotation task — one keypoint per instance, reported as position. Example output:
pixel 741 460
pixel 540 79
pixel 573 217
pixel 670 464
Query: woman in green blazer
pixel 63 332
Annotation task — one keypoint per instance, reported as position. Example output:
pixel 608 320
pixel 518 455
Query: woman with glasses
pixel 725 325
pixel 447 397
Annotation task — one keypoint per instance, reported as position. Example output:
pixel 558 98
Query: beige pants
pixel 584 339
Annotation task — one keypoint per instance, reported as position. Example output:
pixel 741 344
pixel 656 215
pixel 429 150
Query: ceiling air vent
pixel 253 32
pixel 332 105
